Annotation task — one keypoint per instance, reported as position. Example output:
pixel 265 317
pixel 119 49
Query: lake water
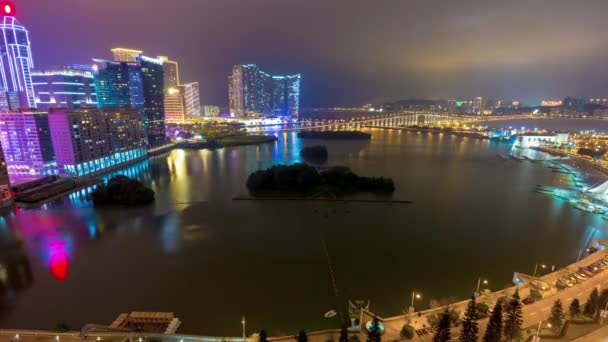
pixel 212 260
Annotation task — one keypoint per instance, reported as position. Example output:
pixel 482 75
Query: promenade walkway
pixel 532 314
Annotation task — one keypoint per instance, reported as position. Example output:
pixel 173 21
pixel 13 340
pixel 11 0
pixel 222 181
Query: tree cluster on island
pixel 302 178
pixel 315 153
pixel 593 153
pixel 123 191
pixel 334 135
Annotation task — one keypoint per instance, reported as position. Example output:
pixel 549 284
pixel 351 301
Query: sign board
pixel 535 339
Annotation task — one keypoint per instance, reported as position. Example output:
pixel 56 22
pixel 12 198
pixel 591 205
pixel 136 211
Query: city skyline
pixel 517 50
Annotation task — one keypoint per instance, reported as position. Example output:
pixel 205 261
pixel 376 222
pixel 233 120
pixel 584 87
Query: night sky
pixel 349 51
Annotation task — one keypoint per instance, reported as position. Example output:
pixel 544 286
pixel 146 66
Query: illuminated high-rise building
pixel 16 60
pixel 26 142
pixel 249 91
pixel 253 92
pixel 174 106
pixel 125 55
pixel 192 99
pixel 118 84
pixel 477 106
pixel 211 111
pixel 93 141
pixel 153 87
pixel 174 101
pixel 286 96
pixel 138 84
pixel 171 72
pixel 68 87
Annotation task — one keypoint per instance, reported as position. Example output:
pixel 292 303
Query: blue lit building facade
pixel 138 85
pixel 16 62
pixel 64 87
pixel 255 93
pixel 153 88
pixel 94 141
pixel 115 82
pixel 286 96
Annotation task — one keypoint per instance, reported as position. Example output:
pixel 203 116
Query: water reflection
pixel 15 269
pixel 206 250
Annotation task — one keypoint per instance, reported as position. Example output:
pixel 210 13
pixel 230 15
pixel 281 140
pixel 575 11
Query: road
pixel 540 310
pixel 600 335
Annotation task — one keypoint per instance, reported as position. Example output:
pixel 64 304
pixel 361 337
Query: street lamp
pixel 244 325
pixel 485 282
pixel 536 268
pixel 538 330
pixel 414 296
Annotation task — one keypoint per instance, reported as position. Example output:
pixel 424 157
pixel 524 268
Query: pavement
pixel 600 335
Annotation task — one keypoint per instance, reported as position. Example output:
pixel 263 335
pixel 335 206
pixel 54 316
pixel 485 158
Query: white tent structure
pixel 601 189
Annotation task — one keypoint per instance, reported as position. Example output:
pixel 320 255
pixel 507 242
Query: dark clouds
pixel 349 51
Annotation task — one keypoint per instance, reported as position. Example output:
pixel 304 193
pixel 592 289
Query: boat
pixel 583 207
pixel 604 217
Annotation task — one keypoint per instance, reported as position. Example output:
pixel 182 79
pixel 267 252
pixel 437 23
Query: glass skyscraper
pixel 16 61
pixel 253 92
pixel 153 87
pixel 138 84
pixel 114 84
pixel 192 100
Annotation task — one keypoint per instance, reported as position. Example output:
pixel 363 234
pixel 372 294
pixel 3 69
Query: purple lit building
pixel 94 141
pixel 27 146
pixel 6 196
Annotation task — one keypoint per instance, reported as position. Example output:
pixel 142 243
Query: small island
pixel 122 191
pixel 305 179
pixel 314 154
pixel 335 135
pixel 230 141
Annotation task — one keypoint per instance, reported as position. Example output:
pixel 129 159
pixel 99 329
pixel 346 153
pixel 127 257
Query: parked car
pixel 528 300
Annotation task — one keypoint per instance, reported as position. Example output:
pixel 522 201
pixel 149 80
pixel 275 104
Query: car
pixel 573 279
pixel 593 269
pixel 528 300
pixel 580 275
pixel 586 272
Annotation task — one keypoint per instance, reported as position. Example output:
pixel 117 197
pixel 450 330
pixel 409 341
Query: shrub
pixel 407 331
pixel 535 294
pixel 121 190
pixel 483 310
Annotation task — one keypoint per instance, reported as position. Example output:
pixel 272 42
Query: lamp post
pixel 538 330
pixel 485 282
pixel 244 324
pixel 414 296
pixel 536 268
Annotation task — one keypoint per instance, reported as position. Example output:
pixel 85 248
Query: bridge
pixel 405 119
